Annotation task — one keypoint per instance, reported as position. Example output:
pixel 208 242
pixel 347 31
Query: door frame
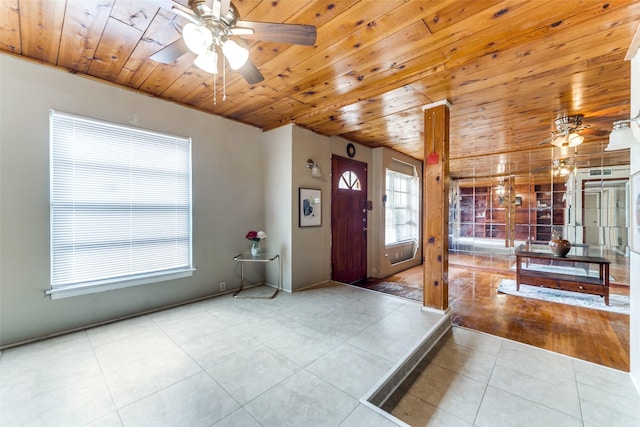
pixel 364 246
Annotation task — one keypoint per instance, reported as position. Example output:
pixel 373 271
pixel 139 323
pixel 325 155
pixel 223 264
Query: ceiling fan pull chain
pixel 224 78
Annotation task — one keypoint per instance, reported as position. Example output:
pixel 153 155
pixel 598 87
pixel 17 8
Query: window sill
pixel 97 287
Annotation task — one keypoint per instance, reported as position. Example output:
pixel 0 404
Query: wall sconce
pixel 315 169
pixel 622 136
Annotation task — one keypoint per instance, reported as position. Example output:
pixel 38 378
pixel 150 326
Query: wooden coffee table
pixel 527 254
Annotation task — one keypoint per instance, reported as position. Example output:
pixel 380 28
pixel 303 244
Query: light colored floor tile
pixel 76 404
pixel 238 418
pixel 303 345
pixel 306 311
pixel 42 352
pixel 105 334
pixel 412 314
pixel 268 328
pixel 110 420
pixel 534 360
pixel 302 400
pixel 449 390
pixel 548 390
pixel 350 369
pixel 129 349
pixel 610 381
pixel 347 338
pixel 602 408
pixel 196 326
pixel 389 340
pixel 232 312
pixel 248 374
pixel 25 382
pixel 500 408
pixel 375 307
pixel 194 401
pixel 459 358
pixel 342 323
pixel 218 347
pixel 135 380
pixel 476 341
pixel 365 416
pixel 416 412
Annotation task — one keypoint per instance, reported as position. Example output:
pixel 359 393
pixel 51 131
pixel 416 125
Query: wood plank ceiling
pixel 508 67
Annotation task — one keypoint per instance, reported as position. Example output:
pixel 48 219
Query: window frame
pixel 411 207
pixel 61 288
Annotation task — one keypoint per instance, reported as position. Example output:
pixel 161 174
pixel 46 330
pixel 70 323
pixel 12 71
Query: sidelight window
pixel 401 208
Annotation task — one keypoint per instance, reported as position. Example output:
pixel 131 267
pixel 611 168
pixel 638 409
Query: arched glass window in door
pixel 349 181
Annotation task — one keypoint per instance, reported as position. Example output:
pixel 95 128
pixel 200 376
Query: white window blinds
pixel 401 209
pixel 120 205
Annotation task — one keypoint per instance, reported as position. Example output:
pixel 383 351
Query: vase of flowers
pixel 256 237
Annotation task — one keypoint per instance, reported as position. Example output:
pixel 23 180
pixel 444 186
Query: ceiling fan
pixel 570 131
pixel 214 26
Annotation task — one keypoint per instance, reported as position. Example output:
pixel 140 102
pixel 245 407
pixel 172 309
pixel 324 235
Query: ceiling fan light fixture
pixel 621 136
pixel 197 38
pixel 207 61
pixel 574 139
pixel 235 54
pixel 559 141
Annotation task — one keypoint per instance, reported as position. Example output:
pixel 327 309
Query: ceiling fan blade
pixel 170 53
pixel 547 140
pixel 224 7
pixel 250 73
pixel 594 132
pixel 185 12
pixel 282 33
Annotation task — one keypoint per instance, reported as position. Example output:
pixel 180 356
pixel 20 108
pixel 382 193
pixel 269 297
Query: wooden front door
pixel 348 220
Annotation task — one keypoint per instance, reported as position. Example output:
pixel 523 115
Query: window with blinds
pixel 120 206
pixel 401 208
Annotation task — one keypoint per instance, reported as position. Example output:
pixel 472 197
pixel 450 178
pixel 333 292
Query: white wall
pixel 227 164
pixel 277 201
pixel 312 245
pixel 634 318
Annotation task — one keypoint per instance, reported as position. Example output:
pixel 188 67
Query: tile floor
pixel 302 359
pixel 476 379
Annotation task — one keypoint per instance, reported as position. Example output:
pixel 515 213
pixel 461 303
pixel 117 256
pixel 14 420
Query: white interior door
pixel 591 222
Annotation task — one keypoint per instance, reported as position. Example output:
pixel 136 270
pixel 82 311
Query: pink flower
pixel 256 235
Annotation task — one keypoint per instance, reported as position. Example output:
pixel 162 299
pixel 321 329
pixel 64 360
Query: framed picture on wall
pixel 635 212
pixel 310 211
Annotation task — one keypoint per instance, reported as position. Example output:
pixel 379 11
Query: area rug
pixel 392 289
pixel 617 303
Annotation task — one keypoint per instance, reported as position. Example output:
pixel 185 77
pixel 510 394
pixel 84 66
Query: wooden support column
pixel 435 196
pixel 510 202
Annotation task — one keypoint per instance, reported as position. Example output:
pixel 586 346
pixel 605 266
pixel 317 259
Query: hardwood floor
pixel 597 336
